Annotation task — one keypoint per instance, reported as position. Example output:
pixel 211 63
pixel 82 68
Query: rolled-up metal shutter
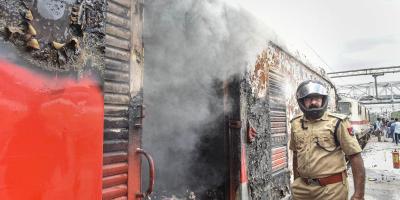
pixel 120 177
pixel 277 104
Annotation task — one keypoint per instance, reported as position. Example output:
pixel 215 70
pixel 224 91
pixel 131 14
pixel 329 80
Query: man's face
pixel 314 101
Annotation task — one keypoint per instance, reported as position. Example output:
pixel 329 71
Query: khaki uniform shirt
pixel 312 160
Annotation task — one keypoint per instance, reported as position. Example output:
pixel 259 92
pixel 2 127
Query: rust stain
pixel 56 44
pixel 259 76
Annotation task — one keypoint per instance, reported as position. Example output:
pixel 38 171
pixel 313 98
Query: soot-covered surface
pixel 65 35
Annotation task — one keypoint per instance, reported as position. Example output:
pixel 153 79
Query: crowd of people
pixel 389 129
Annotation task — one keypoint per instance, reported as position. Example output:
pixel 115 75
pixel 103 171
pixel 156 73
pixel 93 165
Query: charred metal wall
pixel 294 72
pixel 59 36
pixel 268 101
pixel 255 100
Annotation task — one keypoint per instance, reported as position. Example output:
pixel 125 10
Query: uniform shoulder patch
pixel 350 131
pixel 337 115
pixel 296 117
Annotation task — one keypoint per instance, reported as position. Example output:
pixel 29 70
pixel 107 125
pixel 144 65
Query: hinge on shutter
pixel 141 115
pixel 141 110
pixel 235 124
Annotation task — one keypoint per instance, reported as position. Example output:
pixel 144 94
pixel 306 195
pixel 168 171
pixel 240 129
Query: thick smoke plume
pixel 190 47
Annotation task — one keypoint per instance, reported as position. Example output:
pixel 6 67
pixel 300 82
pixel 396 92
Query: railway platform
pixel 382 180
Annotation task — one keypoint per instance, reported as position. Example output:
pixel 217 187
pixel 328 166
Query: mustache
pixel 313 106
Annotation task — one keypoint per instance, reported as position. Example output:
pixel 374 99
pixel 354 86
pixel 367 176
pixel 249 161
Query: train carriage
pixel 358 116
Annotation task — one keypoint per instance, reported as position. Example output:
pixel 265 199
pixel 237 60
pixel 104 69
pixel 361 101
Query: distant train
pixel 359 118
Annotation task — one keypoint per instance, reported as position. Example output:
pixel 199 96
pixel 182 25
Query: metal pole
pixel 376 85
pixel 391 91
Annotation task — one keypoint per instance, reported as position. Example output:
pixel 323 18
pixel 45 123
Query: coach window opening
pixel 205 169
pixel 344 108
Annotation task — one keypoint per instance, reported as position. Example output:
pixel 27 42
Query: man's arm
pixel 295 172
pixel 292 147
pixel 357 167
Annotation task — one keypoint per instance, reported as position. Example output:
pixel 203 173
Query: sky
pixel 344 33
pixel 340 34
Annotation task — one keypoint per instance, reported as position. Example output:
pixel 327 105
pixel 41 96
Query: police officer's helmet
pixel 309 88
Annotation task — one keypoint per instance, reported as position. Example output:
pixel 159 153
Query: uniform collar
pixel 323 118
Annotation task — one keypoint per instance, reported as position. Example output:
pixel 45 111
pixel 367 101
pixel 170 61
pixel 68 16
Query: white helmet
pixel 312 87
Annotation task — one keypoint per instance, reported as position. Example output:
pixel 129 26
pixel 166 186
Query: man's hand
pixel 357 167
pixel 356 198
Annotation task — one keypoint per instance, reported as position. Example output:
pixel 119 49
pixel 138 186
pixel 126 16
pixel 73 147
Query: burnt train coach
pixel 74 124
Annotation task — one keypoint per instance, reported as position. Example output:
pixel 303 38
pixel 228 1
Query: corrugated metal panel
pixel 279 158
pixel 277 103
pixel 116 98
pixel 115 168
pixel 119 191
pixel 115 180
pixel 115 133
pixel 117 9
pixel 114 157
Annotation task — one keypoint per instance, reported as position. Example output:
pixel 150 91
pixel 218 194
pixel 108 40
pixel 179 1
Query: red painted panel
pixel 243 166
pixel 360 122
pixel 279 159
pixel 279 166
pixel 278 156
pixel 50 136
pixel 279 150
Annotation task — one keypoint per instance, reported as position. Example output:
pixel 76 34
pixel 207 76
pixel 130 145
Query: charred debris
pixel 55 35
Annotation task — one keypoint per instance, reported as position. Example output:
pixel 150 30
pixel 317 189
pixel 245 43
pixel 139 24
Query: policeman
pixel 320 140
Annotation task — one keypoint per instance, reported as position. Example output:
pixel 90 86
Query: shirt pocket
pixel 300 142
pixel 325 139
